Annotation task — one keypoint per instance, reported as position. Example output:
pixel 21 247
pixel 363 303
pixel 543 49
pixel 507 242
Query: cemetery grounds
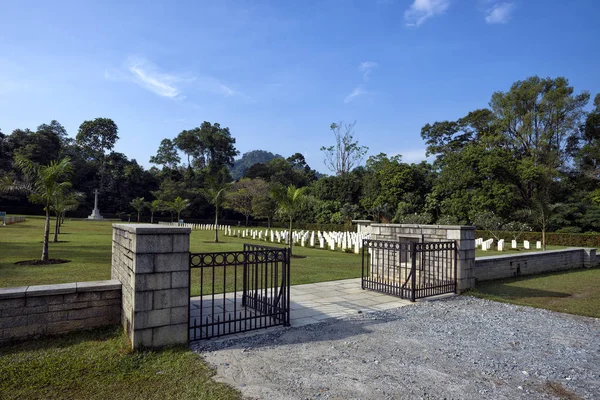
pixel 95 363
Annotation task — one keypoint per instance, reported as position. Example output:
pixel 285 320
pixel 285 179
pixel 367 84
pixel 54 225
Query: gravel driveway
pixel 457 348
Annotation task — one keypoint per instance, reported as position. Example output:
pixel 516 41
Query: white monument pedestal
pixel 95 212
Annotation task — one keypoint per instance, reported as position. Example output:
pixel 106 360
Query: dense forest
pixel 527 161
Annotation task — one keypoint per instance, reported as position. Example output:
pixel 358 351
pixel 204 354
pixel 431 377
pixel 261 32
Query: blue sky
pixel 279 72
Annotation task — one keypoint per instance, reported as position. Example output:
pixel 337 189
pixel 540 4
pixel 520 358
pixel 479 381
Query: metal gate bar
pixel 410 270
pixel 240 291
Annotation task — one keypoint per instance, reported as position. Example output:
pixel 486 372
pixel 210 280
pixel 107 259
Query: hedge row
pixel 552 238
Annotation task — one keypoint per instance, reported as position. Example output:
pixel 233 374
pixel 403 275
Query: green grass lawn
pixel 573 292
pixel 88 245
pixel 100 365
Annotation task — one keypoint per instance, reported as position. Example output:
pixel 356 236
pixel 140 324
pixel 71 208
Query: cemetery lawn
pixel 99 364
pixel 88 245
pixel 574 292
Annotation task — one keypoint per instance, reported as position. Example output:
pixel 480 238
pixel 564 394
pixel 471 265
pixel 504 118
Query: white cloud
pixel 366 67
pixel 171 85
pixel 421 10
pixel 358 91
pixel 499 13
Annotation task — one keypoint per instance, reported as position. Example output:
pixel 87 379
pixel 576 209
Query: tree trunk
pixel 269 222
pixel 544 238
pixel 56 222
pixel 290 237
pixel 216 224
pixel 247 220
pixel 152 218
pixel 46 235
pixel 138 217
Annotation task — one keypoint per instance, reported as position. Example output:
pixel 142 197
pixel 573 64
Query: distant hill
pixel 249 159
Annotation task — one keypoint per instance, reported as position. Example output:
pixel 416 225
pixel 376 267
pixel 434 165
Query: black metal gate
pixel 239 291
pixel 410 270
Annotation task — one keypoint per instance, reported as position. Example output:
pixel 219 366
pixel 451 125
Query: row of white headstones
pixel 344 241
pixel 487 244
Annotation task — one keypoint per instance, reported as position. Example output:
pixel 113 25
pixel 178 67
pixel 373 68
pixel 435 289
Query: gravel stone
pixel 457 348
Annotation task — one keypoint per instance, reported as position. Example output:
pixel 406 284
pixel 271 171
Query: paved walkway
pixel 309 304
pixel 315 302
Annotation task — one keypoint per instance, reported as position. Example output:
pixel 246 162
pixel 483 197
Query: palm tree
pixel 290 202
pixel 61 203
pixel 178 205
pixel 215 195
pixel 41 183
pixel 153 206
pixel 138 205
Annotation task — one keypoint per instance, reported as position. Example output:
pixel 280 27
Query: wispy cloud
pixel 421 10
pixel 167 84
pixel 499 14
pixel 366 67
pixel 411 156
pixel 358 91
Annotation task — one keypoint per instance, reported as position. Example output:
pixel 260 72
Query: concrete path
pixel 315 302
pixel 310 304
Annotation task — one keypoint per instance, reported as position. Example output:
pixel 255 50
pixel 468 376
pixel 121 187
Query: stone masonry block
pixel 144 301
pixel 44 300
pixel 144 263
pixel 171 298
pixel 67 306
pixel 153 244
pixel 180 279
pixel 171 262
pixel 152 318
pixel 181 243
pixel 12 292
pixel 92 312
pixel 170 335
pixel 12 303
pixel 47 317
pixel 156 281
pixel 179 315
pixel 23 331
pixel 11 312
pixel 11 322
pixel 84 296
pixel 111 294
pixel 453 234
pixel 142 338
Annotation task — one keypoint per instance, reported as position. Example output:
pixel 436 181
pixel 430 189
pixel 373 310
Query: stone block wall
pixel 506 266
pixel 31 311
pixel 152 263
pixel 463 235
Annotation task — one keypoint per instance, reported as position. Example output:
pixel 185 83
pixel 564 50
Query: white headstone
pixel 526 244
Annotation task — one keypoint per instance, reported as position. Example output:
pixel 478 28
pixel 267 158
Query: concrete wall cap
pixel 528 254
pixel 151 229
pixel 50 290
pixel 461 227
pixel 12 292
pixel 93 286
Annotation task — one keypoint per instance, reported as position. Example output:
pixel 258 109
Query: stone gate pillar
pixel 152 264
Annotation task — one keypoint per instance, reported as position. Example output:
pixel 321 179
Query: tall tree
pixel 97 137
pixel 153 206
pixel 166 155
pixel 346 152
pixel 241 195
pixel 41 183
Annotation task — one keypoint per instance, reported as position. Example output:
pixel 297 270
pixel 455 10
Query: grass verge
pixel 98 364
pixel 574 292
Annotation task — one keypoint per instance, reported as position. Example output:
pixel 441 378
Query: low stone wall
pixel 30 311
pixel 506 266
